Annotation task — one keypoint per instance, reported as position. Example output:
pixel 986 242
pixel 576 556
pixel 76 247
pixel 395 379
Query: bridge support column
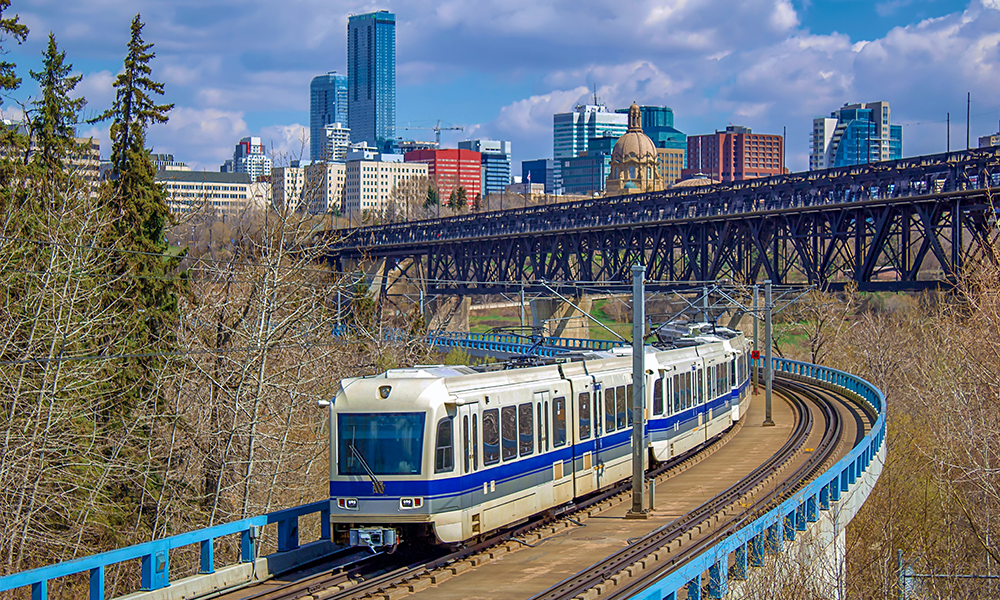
pixel 560 319
pixel 448 313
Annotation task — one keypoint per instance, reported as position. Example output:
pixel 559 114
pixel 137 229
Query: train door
pixel 468 428
pixel 561 437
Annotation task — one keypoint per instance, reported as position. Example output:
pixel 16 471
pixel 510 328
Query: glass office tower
pixel 327 104
pixel 371 78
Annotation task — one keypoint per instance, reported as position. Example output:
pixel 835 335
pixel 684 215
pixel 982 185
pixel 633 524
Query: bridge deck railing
pixel 767 534
pixel 155 555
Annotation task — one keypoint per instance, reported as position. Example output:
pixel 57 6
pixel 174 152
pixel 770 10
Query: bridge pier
pixel 447 313
pixel 560 319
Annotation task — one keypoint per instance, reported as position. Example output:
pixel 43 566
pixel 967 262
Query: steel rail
pixel 399 572
pixel 832 434
pixel 662 536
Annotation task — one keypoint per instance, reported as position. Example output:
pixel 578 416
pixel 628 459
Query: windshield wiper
pixel 377 486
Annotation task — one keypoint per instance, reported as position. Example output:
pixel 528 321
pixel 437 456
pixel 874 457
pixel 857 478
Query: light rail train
pixel 447 454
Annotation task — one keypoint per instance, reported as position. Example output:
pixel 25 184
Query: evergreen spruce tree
pixel 139 208
pixel 13 143
pixel 432 197
pixel 53 126
pixel 10 28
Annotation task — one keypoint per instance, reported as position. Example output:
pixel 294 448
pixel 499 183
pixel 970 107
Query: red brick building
pixel 448 169
pixel 735 154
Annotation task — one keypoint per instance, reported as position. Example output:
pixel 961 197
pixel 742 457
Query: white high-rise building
pixel 249 157
pixel 286 187
pixel 324 187
pixel 338 140
pixel 371 179
pixel 571 132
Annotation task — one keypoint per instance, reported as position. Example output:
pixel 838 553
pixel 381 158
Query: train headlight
pixel 347 503
pixel 410 503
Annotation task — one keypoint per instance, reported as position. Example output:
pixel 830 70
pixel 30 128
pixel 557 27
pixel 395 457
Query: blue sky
pixel 501 68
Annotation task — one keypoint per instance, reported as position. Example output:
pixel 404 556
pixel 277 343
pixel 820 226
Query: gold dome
pixel 634 143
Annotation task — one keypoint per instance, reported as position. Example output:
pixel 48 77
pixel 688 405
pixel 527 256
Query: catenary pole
pixel 768 370
pixel 638 391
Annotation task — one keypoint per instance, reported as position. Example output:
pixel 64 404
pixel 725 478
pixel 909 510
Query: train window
pixel 609 410
pixel 584 401
pixel 444 452
pixel 677 393
pixel 540 440
pixel 620 413
pixel 701 387
pixel 546 421
pixel 525 429
pixel 508 432
pixel 475 443
pixel 465 442
pixel 491 436
pixel 629 403
pixel 658 396
pixel 559 422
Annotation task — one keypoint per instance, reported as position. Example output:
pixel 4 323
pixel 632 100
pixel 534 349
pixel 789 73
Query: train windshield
pixel 389 443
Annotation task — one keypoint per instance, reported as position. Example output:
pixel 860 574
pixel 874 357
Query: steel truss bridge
pixel 893 226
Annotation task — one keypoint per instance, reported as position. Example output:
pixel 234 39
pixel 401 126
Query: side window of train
pixel 609 410
pixel 677 393
pixel 491 436
pixel 475 443
pixel 620 413
pixel 628 403
pixel 558 422
pixel 508 432
pixel 658 396
pixel 525 429
pixel 541 442
pixel 584 400
pixel 701 387
pixel 466 446
pixel 444 453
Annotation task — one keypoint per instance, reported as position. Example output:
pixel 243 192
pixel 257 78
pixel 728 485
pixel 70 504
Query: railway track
pixel 389 576
pixel 719 516
pixel 381 574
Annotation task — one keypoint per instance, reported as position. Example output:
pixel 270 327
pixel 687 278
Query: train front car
pixel 389 434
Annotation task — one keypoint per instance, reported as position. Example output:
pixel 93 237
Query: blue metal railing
pixel 155 555
pixel 769 532
pixel 494 342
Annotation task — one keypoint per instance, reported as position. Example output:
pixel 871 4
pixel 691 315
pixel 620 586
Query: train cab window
pixel 620 404
pixel 629 399
pixel 525 429
pixel 508 432
pixel 558 422
pixel 584 411
pixel 677 393
pixel 658 396
pixel 491 436
pixel 609 410
pixel 467 447
pixel 444 452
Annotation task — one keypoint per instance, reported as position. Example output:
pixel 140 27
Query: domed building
pixel 634 167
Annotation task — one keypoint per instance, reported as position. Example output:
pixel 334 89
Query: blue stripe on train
pixel 463 484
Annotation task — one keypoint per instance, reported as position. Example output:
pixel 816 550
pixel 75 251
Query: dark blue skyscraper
pixel 371 78
pixel 327 104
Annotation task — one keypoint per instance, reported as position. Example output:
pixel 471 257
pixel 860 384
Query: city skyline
pixel 766 64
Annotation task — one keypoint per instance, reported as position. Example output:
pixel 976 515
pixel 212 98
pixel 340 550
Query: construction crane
pixel 437 129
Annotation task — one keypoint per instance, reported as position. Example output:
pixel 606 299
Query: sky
pixel 502 68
